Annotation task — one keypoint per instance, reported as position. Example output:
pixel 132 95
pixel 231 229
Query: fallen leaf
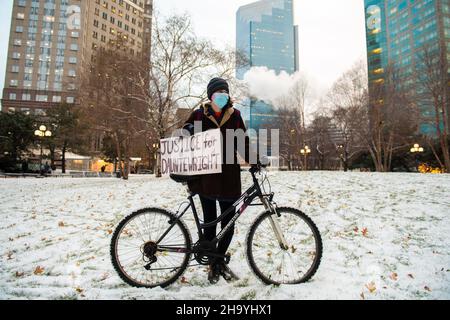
pixel 61 224
pixel 38 270
pixel 79 290
pixel 104 276
pixel 109 231
pixel 410 275
pixel 364 232
pixel 356 229
pixel 427 288
pixel 362 296
pixel 184 280
pixel 19 274
pixel 371 287
pixel 394 276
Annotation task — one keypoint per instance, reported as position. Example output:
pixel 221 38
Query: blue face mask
pixel 221 99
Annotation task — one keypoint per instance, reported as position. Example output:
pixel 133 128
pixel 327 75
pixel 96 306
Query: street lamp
pixel 42 133
pixel 305 152
pixel 416 150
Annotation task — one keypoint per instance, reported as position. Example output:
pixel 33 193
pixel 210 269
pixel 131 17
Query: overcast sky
pixel 331 39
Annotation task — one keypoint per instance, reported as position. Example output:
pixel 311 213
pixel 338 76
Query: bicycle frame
pixel 244 201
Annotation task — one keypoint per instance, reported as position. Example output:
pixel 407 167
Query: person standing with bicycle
pixel 225 187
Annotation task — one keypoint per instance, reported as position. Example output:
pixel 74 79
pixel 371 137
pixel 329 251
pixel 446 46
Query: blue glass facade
pixel 397 31
pixel 266 36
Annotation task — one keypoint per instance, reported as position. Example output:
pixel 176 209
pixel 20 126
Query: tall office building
pixel 266 36
pixel 397 33
pixel 52 42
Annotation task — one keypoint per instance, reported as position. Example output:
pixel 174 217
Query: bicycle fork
pixel 275 225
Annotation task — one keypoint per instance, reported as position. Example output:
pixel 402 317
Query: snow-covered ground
pixel 386 236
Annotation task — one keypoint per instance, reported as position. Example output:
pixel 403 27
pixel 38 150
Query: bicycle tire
pixel 318 244
pixel 116 263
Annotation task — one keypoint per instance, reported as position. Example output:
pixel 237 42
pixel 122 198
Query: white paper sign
pixel 195 155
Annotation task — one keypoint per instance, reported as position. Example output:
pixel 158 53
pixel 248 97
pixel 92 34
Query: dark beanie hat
pixel 215 85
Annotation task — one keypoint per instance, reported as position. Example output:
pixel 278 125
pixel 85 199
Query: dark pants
pixel 210 214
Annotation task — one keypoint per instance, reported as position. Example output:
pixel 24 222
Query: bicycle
pixel 283 245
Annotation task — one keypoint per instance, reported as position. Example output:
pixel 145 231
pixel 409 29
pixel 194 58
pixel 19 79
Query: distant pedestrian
pixel 25 166
pixel 47 169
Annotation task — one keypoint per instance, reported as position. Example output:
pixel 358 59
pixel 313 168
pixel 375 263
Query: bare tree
pixel 181 65
pixel 434 93
pixel 107 103
pixel 288 122
pixel 392 119
pixel 347 97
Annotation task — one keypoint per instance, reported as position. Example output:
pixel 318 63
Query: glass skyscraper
pixel 397 33
pixel 267 37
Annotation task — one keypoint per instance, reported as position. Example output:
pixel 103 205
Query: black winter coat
pixel 225 185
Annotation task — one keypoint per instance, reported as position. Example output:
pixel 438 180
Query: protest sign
pixel 195 155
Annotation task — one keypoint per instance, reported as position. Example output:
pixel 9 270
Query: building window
pixel 17 42
pixel 72 60
pixel 56 99
pixel 74 47
pixel 15 69
pixel 16 55
pixel 41 98
pixel 75 34
pixel 12 96
pixel 72 73
pixel 20 15
pixel 70 100
pixel 14 83
pixel 26 96
pixel 19 29
pixel 22 3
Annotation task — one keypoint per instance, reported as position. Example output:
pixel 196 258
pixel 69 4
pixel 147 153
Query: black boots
pixel 219 268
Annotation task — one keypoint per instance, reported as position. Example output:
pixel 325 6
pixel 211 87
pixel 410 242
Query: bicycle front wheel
pixel 274 264
pixel 138 257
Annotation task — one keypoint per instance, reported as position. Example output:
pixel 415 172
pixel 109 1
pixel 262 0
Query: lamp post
pixel 42 133
pixel 305 152
pixel 416 150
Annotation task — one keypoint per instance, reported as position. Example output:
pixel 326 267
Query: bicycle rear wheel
pixel 276 265
pixel 137 257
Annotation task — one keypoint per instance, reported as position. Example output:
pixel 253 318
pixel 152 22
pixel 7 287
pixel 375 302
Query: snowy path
pixel 386 236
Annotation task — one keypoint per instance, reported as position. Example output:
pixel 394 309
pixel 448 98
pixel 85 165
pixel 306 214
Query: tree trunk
pixel 63 158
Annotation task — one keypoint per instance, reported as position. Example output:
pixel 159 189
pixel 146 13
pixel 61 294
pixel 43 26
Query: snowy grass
pixel 386 236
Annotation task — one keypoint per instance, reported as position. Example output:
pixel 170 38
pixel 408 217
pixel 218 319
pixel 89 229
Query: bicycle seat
pixel 181 178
